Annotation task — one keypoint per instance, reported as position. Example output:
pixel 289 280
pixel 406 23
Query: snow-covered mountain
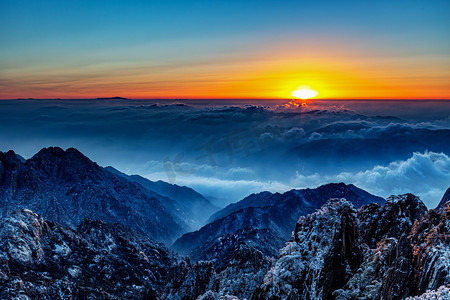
pixel 66 187
pixel 276 212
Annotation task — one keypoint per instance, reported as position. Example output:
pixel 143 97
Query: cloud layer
pixel 230 151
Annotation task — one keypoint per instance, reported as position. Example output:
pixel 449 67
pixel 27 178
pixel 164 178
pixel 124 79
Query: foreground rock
pixel 321 256
pixel 43 260
pixel 394 251
pixel 378 252
pixel 241 274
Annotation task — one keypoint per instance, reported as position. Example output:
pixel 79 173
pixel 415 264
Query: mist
pixel 227 149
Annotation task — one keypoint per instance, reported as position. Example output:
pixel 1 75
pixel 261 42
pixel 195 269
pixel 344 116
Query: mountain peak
pixel 57 152
pixel 65 186
pixel 50 151
pixel 445 199
pixel 56 161
pixel 9 156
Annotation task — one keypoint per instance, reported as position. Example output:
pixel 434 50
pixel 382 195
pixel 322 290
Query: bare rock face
pixel 189 281
pixel 386 271
pixel 321 257
pixel 242 274
pixel 221 250
pixel 445 199
pixel 393 219
pixel 43 260
pixel 431 250
pixel 378 252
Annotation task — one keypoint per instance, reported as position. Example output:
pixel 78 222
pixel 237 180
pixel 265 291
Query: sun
pixel 304 93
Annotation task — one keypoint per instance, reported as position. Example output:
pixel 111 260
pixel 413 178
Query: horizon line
pixel 200 98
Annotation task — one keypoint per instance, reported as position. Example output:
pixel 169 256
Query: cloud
pixel 231 151
pixel 224 192
pixel 424 174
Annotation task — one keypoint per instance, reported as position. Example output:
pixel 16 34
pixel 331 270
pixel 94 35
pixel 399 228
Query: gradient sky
pixel 224 49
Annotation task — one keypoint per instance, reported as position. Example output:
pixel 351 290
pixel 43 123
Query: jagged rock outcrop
pixel 67 187
pixel 442 293
pixel 430 240
pixel 242 273
pixel 321 257
pixel 189 281
pixel 331 255
pixel 394 219
pixel 378 252
pixel 445 199
pixel 386 269
pixel 43 260
pixel 221 250
pixel 277 212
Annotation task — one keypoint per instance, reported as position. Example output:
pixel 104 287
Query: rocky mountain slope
pixel 445 199
pixel 390 251
pixel 43 260
pixel 308 196
pixel 377 252
pixel 243 273
pixel 222 249
pixel 277 212
pixel 193 203
pixel 66 187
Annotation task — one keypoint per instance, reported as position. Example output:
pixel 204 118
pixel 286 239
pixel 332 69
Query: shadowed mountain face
pixel 66 187
pixel 276 212
pixel 445 198
pixel 193 203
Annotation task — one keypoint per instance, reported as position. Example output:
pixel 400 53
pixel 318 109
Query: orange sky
pixel 244 49
pixel 271 73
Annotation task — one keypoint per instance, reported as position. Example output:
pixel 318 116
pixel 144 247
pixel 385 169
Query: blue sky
pixel 71 39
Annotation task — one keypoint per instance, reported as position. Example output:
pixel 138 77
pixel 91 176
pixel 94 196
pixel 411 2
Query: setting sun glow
pixel 304 93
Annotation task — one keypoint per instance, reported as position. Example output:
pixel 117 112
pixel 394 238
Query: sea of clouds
pixel 229 150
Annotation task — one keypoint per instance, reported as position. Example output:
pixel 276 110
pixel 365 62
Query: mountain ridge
pixel 66 186
pixel 200 207
pixel 276 212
